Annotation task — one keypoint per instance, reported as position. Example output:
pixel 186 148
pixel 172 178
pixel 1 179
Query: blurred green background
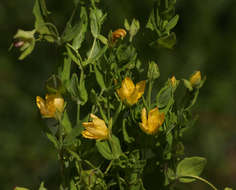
pixel 205 41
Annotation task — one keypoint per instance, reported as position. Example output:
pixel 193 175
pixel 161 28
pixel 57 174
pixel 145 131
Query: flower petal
pixel 96 129
pixel 161 118
pixel 98 122
pixel 151 124
pixel 88 124
pixel 41 105
pixel 137 93
pixel 195 79
pixel 127 88
pixel 59 104
pixel 153 118
pixel 144 116
pixel 88 135
pixel 140 87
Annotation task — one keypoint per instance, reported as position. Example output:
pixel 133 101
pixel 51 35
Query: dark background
pixel 205 41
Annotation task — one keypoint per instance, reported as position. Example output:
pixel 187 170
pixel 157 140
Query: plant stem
pixel 200 179
pixel 108 167
pixel 78 113
pixel 119 182
pixel 108 109
pixel 102 112
pixel 149 94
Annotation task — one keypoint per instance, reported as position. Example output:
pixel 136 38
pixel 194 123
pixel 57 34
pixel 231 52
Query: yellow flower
pixel 96 129
pixel 52 104
pixel 151 124
pixel 195 79
pixel 119 33
pixel 130 93
pixel 173 81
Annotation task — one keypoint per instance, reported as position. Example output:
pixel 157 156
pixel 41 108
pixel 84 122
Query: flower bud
pixel 173 81
pixel 25 41
pixel 117 34
pixel 195 79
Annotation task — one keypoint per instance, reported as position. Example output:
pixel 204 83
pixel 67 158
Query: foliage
pixel 93 79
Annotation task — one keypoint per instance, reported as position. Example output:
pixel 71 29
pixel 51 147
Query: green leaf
pixel 65 73
pixel 126 25
pixel 153 71
pixel 66 122
pixel 24 35
pixel 78 90
pixel 54 140
pixel 193 99
pixel 72 185
pixel 125 133
pixel 171 174
pixel 83 95
pixel 94 23
pixel 99 78
pixel 54 85
pixel 74 86
pixel 164 96
pixel 103 39
pixel 104 149
pixel 96 20
pixel 73 54
pixel 42 186
pixel 71 137
pixel 80 35
pixel 126 53
pixel 172 23
pixel 167 41
pixel 117 112
pixel 95 52
pixel 134 28
pixel 41 13
pixel 109 149
pixel 74 155
pixel 168 147
pixel 77 32
pixel 151 24
pixel 115 144
pixel 192 166
pixel 93 96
